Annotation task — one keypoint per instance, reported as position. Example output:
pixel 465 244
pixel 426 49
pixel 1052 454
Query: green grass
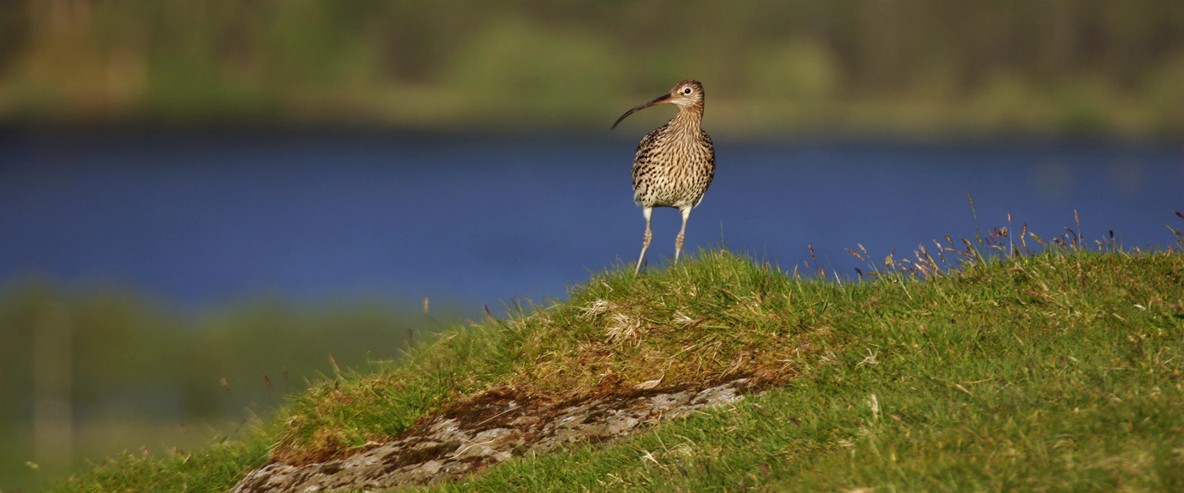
pixel 1062 370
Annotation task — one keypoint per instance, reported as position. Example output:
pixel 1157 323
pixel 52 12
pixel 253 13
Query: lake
pixel 207 218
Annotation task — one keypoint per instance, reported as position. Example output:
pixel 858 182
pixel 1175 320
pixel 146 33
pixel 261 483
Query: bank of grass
pixel 856 67
pixel 1059 370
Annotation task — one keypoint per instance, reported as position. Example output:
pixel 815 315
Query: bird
pixel 674 163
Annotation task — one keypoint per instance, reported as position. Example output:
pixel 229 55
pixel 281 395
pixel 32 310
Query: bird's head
pixel 685 94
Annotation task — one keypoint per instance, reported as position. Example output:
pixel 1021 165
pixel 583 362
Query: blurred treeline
pixel 87 374
pixel 769 66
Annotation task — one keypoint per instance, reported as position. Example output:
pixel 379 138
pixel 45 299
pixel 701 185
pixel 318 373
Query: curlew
pixel 674 163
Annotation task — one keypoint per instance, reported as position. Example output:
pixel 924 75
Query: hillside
pixel 1057 370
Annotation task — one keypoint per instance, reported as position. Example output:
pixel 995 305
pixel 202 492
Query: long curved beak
pixel 659 100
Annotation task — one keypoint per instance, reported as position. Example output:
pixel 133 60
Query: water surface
pixel 207 218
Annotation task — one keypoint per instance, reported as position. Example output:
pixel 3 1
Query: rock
pixel 489 429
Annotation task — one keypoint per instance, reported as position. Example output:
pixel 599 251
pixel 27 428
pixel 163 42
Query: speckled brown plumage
pixel 674 163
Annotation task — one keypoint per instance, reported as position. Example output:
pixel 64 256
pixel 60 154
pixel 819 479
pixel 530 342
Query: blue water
pixel 209 218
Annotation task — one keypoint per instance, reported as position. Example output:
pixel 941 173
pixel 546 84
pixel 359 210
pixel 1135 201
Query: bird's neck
pixel 688 119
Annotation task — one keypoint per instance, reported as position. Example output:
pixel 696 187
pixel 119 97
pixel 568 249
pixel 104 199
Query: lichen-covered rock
pixel 493 428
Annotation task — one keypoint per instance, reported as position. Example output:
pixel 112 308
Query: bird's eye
pixel 687 91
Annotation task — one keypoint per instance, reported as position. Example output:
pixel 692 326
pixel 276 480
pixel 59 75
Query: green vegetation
pixel 1058 370
pixel 118 372
pixel 915 66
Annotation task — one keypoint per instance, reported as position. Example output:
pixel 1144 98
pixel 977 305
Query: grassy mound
pixel 1060 370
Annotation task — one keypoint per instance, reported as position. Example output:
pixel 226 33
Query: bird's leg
pixel 682 233
pixel 645 240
